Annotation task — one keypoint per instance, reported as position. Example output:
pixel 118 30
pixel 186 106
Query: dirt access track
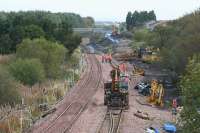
pixel 82 109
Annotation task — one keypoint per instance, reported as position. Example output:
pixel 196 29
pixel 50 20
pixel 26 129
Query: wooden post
pixel 21 119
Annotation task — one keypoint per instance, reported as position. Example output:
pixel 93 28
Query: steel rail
pixel 90 78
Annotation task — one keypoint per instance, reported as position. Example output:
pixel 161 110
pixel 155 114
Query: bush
pixel 33 31
pixel 72 42
pixel 127 35
pixel 50 54
pixel 8 89
pixel 27 71
pixel 141 35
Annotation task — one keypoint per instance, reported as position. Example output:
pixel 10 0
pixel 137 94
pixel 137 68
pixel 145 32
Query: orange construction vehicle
pixel 122 67
pixel 108 58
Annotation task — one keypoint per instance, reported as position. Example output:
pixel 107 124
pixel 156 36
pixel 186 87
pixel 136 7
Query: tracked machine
pixel 116 94
pixel 138 71
pixel 156 93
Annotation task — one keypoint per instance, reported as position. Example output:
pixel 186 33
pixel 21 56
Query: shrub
pixel 49 53
pixel 8 89
pixel 190 85
pixel 27 71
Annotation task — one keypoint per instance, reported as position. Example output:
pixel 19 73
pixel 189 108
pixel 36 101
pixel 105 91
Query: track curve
pixel 75 102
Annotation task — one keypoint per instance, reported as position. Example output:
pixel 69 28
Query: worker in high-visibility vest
pixel 174 106
pixel 174 109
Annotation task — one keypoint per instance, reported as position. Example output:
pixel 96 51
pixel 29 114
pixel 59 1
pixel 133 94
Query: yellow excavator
pixel 150 55
pixel 138 71
pixel 156 93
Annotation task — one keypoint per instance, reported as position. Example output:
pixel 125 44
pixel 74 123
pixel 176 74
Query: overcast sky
pixel 106 10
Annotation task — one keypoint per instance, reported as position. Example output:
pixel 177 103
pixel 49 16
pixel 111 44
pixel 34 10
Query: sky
pixel 106 10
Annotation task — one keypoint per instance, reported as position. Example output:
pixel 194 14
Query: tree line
pixel 139 18
pixel 16 26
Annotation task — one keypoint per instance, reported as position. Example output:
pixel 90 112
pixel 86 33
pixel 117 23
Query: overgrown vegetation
pixel 190 84
pixel 9 93
pixel 27 71
pixel 50 54
pixel 179 41
pixel 36 49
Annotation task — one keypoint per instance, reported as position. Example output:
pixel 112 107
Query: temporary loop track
pixel 70 110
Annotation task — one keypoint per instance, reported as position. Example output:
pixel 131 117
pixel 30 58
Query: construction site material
pixel 150 58
pixel 125 56
pixel 142 115
pixel 49 112
pixel 143 88
pixel 169 127
pixel 151 130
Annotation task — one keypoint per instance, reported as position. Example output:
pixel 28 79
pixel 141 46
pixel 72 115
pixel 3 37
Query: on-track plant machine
pixel 116 94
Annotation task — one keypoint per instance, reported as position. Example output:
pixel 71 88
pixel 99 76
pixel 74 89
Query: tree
pixel 164 34
pixel 62 32
pixel 33 31
pixel 27 71
pixel 152 15
pixel 129 21
pixel 141 35
pixel 88 22
pixel 190 85
pixel 8 89
pixel 49 53
pixel 17 33
pixel 5 44
pixel 72 42
pixel 178 40
pixel 139 18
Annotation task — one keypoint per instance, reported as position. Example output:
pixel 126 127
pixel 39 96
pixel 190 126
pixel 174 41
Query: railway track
pixel 111 122
pixel 82 94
